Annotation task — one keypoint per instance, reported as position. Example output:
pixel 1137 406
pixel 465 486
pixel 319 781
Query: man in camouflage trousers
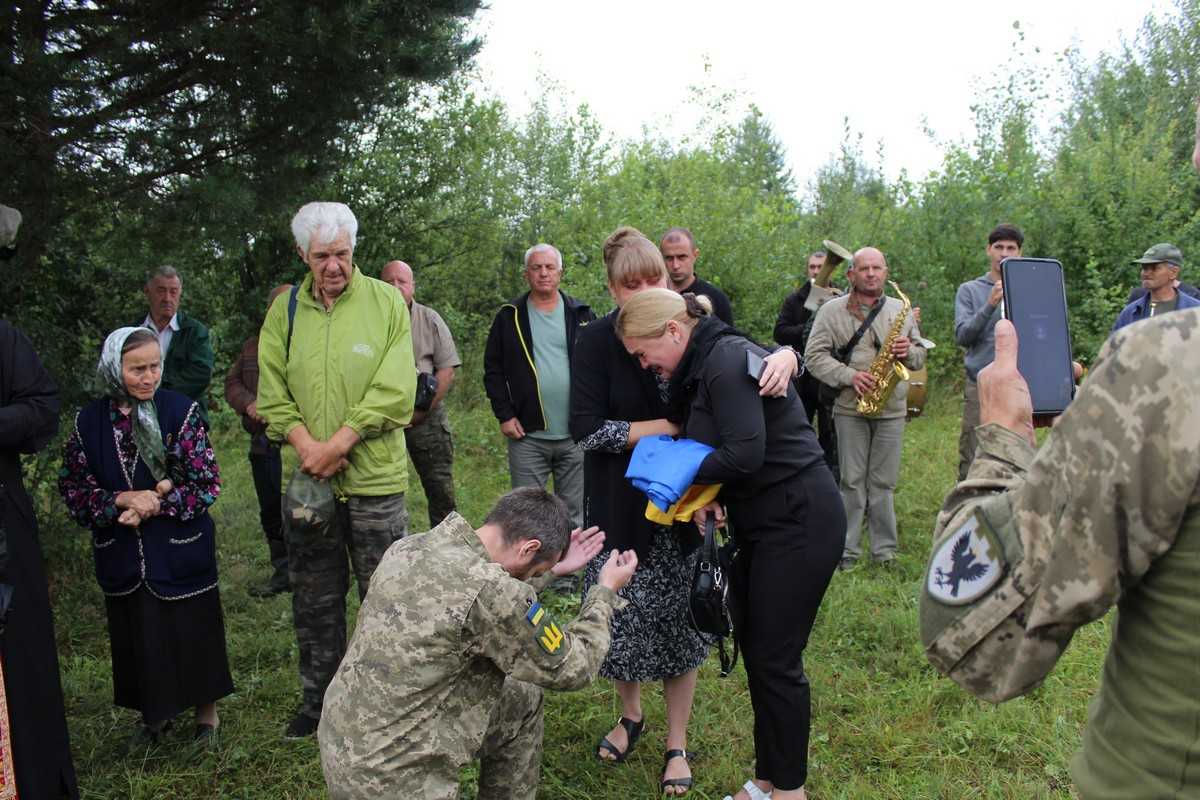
pixel 430 448
pixel 452 649
pixel 336 386
pixel 1033 545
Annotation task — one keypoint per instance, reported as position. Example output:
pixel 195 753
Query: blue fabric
pixel 1140 309
pixel 663 467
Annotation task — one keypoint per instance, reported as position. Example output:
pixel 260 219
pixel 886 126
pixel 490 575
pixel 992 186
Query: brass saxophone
pixel 886 369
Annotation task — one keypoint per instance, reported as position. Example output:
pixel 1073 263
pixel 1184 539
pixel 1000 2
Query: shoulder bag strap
pixel 843 355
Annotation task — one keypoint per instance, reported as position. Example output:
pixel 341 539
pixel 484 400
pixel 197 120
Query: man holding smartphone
pixel 976 309
pixel 1159 267
pixel 1045 541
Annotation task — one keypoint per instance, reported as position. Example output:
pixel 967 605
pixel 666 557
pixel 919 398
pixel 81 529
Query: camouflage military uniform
pixel 445 667
pixel 1031 546
pixel 363 527
pixel 431 451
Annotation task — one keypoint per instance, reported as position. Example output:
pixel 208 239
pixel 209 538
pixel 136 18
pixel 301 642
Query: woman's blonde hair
pixel 629 255
pixel 646 314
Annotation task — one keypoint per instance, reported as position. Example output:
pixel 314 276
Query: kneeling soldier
pixel 451 649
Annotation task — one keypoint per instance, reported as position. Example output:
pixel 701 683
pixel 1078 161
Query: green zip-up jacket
pixel 351 365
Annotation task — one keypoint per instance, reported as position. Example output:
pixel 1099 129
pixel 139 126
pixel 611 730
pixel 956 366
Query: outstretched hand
pixel 585 545
pixel 1003 393
pixel 617 571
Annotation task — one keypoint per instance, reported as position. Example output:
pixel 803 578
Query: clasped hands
pixel 139 506
pixel 323 460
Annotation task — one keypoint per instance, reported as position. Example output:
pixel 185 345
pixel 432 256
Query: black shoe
pixel 301 727
pixel 205 737
pixel 147 735
pixel 277 585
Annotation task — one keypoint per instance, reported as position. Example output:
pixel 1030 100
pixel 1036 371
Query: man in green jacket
pixel 336 386
pixel 188 360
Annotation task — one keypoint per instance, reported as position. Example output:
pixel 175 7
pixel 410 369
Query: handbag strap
pixel 843 355
pixel 708 550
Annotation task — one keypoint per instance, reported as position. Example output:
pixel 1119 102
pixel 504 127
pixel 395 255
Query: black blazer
pixel 608 384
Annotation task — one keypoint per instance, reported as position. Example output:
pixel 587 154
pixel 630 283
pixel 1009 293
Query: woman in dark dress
pixel 614 403
pixel 139 471
pixel 785 508
pixel 35 749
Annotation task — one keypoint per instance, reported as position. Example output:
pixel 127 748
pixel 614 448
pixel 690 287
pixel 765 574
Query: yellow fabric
pixel 696 497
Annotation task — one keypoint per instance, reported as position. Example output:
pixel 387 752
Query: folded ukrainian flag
pixel 663 468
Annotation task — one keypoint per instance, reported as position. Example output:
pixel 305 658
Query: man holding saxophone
pixel 862 345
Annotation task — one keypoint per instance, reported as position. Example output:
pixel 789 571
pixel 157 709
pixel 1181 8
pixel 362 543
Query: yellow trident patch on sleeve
pixel 545 631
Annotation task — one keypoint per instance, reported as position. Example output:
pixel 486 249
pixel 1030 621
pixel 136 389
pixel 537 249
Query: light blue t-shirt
pixel 549 332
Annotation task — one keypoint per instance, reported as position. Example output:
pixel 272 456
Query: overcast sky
pixel 892 68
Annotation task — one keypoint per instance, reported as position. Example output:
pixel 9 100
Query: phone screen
pixel 1035 299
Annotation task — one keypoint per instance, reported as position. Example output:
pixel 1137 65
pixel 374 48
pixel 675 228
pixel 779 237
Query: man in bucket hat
pixel 1160 267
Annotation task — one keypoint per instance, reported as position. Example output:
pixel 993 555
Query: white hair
pixel 165 271
pixel 324 221
pixel 537 248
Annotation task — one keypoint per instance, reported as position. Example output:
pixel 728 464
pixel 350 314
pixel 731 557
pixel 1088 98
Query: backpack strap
pixel 287 352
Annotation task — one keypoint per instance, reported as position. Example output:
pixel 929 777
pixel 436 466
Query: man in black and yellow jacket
pixel 527 377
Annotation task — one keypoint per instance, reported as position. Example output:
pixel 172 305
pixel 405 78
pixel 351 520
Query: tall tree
pixel 107 102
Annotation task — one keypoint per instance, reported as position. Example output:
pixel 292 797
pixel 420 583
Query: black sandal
pixel 683 783
pixel 633 730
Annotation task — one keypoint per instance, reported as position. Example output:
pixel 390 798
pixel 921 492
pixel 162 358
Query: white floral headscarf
pixel 147 434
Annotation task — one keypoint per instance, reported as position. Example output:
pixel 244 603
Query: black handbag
pixel 710 603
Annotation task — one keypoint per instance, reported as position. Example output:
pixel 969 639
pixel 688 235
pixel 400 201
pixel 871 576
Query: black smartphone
pixel 1035 300
pixel 754 365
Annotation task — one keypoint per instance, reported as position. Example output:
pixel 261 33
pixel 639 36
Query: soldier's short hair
pixel 533 513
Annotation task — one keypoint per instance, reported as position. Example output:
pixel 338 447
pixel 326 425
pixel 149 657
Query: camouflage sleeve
pixel 1028 549
pixel 508 625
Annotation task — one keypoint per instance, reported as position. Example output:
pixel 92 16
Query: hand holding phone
pixel 1035 300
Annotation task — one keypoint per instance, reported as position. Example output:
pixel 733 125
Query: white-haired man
pixel 527 376
pixel 336 386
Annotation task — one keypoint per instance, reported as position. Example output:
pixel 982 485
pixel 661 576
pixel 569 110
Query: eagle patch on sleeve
pixel 545 631
pixel 966 565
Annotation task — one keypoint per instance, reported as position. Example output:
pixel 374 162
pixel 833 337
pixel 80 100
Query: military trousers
pixel 319 569
pixel 967 442
pixel 510 758
pixel 532 460
pixel 267 469
pixel 431 452
pixel 869 458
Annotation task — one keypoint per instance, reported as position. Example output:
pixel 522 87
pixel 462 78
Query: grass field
pixel 884 724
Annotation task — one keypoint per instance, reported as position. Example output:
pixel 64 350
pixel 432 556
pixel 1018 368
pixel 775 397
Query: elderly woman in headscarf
pixel 140 472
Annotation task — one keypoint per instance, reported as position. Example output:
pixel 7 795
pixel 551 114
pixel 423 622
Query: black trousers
pixel 267 469
pixel 790 540
pixel 821 418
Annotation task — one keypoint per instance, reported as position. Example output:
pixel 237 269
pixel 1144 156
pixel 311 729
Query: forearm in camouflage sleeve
pixel 511 628
pixel 1100 502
